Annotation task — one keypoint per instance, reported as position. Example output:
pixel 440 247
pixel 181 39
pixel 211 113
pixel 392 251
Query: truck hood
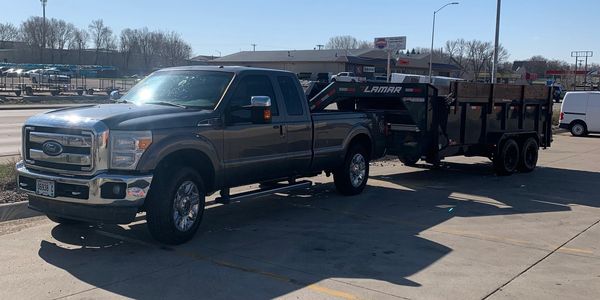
pixel 122 117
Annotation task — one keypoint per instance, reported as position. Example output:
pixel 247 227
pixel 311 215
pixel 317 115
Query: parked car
pixel 3 70
pixel 49 76
pixel 14 72
pixel 347 77
pixel 580 113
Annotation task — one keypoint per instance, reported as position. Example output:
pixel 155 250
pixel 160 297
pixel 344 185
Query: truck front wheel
pixel 175 205
pixel 352 177
pixel 507 159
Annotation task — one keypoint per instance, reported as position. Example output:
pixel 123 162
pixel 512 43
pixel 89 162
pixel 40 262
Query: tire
pixel 529 156
pixel 352 177
pixel 578 129
pixel 166 211
pixel 79 92
pixel 18 93
pixel 63 221
pixel 507 160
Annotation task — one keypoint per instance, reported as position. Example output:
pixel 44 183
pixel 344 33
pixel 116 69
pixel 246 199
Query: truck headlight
pixel 126 148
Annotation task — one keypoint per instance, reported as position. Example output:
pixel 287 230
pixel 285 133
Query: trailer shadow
pixel 272 246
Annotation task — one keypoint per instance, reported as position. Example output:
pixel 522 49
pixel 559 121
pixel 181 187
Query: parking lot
pixel 456 233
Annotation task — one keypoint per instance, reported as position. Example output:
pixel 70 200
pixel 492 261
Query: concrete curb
pixel 17 210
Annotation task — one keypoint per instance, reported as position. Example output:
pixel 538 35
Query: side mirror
pixel 260 107
pixel 115 95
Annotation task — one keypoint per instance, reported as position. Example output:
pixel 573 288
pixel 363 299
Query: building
pixel 364 62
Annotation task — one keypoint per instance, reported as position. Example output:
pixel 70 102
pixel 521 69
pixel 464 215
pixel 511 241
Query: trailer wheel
pixel 18 93
pixel 507 160
pixel 352 177
pixel 529 155
pixel 79 92
pixel 175 205
pixel 90 91
pixel 29 91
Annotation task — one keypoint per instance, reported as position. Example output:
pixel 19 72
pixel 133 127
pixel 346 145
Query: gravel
pixel 8 185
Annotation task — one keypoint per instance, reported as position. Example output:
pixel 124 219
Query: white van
pixel 580 113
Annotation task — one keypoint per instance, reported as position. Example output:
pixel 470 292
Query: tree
pixel 129 44
pixel 457 52
pixel 174 49
pixel 63 32
pixel 31 33
pixel 8 32
pixel 101 36
pixel 79 42
pixel 342 42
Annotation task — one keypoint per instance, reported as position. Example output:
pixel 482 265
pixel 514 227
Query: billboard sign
pixel 391 43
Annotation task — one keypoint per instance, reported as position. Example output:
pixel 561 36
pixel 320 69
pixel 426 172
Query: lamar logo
pixel 383 89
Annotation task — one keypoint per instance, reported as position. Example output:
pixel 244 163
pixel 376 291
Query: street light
pixel 432 37
pixel 44 2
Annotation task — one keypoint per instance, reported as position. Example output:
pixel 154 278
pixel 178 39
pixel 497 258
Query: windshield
pixel 199 89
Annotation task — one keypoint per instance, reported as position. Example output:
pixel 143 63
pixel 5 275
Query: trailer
pixel 505 123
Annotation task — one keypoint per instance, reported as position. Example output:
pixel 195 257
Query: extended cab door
pixel 298 125
pixel 253 152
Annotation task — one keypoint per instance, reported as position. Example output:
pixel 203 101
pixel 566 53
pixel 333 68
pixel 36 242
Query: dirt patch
pixel 8 184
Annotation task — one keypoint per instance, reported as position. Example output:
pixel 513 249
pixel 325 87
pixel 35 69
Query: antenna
pixel 319 47
pixel 253 47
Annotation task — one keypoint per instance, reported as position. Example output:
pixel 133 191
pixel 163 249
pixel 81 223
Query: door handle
pixel 281 129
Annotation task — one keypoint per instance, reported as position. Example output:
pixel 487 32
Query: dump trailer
pixel 506 123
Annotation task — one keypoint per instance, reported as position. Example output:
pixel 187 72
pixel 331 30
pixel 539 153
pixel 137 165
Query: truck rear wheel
pixel 507 160
pixel 578 129
pixel 529 155
pixel 175 205
pixel 352 177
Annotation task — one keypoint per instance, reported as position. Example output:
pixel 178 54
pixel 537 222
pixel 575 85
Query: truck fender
pixel 354 132
pixel 173 143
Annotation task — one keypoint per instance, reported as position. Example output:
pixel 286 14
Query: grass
pixel 8 176
pixel 555 117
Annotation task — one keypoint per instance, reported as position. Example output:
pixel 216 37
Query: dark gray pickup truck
pixel 184 133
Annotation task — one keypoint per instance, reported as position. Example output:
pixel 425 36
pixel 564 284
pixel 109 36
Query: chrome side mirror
pixel 260 107
pixel 260 101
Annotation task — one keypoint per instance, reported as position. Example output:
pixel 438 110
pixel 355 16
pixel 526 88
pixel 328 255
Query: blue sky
pixel 547 27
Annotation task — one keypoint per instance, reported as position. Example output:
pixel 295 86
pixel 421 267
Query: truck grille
pixel 56 149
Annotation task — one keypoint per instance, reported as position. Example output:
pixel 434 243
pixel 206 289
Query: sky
pixel 551 28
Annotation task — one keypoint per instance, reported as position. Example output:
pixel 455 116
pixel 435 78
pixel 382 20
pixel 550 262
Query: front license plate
pixel 44 188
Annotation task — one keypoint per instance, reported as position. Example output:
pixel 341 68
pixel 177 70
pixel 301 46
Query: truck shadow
pixel 272 246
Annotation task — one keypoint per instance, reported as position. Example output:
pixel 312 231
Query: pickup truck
pixel 347 77
pixel 184 133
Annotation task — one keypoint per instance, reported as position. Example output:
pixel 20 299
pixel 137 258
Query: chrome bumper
pixel 137 187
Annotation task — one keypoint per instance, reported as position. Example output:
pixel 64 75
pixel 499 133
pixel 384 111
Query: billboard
pixel 391 43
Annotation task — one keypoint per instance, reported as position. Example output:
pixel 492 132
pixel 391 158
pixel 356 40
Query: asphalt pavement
pixel 456 233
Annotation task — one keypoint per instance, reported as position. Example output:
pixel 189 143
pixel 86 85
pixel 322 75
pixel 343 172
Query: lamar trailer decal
pixel 383 89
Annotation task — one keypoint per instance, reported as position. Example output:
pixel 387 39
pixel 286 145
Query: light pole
pixel 496 42
pixel 44 2
pixel 432 37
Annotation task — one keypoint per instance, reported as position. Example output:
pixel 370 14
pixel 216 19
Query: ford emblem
pixel 52 148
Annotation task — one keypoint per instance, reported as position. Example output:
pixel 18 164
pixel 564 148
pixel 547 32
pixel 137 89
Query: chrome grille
pixel 77 147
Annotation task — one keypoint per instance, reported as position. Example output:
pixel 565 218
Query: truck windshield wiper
pixel 166 103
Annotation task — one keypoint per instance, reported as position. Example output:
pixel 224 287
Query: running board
pixel 226 199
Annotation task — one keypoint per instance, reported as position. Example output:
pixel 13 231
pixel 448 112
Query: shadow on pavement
pixel 272 246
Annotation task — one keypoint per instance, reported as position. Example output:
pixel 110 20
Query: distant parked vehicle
pixel 14 72
pixel 347 77
pixel 49 76
pixel 580 113
pixel 29 72
pixel 3 70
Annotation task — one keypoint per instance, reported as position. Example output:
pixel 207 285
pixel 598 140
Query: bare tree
pixel 129 44
pixel 342 42
pixel 63 32
pixel 478 54
pixel 364 45
pixel 457 52
pixel 79 42
pixel 8 32
pixel 174 49
pixel 100 35
pixel 31 33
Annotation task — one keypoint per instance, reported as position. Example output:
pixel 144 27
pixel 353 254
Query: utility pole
pixel 253 47
pixel 43 30
pixel 496 42
pixel 319 47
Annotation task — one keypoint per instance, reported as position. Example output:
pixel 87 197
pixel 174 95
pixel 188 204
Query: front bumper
pixel 85 198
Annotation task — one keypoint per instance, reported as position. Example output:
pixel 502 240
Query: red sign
pixel 404 62
pixel 564 72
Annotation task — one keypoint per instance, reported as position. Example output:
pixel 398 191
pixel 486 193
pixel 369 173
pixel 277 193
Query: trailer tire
pixel 63 221
pixel 507 160
pixel 18 93
pixel 352 177
pixel 79 92
pixel 529 155
pixel 171 205
pixel 29 91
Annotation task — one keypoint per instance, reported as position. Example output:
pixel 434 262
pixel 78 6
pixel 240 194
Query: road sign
pixel 391 43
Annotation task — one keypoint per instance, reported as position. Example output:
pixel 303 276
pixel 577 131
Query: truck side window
pixel 293 104
pixel 252 85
